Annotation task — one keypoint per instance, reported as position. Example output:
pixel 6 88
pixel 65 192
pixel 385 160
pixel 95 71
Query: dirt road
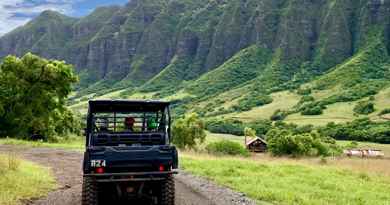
pixel 66 167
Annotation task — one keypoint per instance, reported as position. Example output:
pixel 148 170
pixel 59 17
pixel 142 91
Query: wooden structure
pixel 256 144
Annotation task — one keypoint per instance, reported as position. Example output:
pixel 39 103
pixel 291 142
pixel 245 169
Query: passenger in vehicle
pixel 152 124
pixel 104 124
pixel 129 124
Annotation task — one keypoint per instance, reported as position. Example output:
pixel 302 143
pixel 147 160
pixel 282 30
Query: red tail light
pixel 161 168
pixel 99 170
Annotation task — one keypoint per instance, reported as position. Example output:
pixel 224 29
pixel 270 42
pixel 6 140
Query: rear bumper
pixel 131 176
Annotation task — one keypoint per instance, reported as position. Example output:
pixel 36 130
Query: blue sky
pixel 14 13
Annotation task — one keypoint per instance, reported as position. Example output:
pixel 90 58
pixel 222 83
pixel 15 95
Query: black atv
pixel 128 153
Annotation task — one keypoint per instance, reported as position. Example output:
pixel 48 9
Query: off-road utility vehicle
pixel 128 153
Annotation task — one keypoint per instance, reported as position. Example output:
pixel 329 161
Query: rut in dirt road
pixel 66 167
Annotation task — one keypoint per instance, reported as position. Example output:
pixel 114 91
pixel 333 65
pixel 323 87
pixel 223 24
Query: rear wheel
pixel 89 192
pixel 167 194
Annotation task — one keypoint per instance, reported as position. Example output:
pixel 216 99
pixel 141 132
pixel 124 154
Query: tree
pixel 249 132
pixel 314 110
pixel 286 142
pixel 188 132
pixel 278 115
pixel 364 107
pixel 33 92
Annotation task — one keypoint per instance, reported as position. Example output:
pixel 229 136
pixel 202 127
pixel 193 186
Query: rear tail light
pixel 99 170
pixel 161 168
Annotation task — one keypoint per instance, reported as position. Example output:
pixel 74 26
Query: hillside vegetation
pixel 303 62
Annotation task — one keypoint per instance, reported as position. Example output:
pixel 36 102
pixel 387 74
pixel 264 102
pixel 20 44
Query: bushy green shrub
pixel 304 91
pixel 260 126
pixel 380 133
pixel 351 145
pixel 252 101
pixel 188 132
pixel 292 128
pixel 312 109
pixel 359 90
pixel 355 92
pixel 306 98
pixel 364 107
pixel 359 130
pixel 303 129
pixel 249 132
pixel 69 122
pixel 226 147
pixel 279 115
pixel 236 127
pixel 180 106
pixel 385 111
pixel 220 111
pixel 285 142
pixel 233 127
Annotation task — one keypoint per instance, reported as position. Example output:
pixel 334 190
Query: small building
pixel 256 144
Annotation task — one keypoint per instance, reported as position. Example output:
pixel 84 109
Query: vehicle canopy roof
pixel 96 106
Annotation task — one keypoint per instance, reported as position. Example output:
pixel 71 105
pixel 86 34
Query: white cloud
pixel 14 13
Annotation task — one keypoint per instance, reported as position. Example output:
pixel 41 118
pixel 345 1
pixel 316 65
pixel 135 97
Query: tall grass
pixel 74 143
pixel 20 180
pixel 286 182
pixel 13 161
pixel 9 162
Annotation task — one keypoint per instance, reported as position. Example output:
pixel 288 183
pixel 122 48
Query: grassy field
pixel 284 180
pixel 281 100
pixel 382 101
pixel 291 182
pixel 213 137
pixel 20 180
pixel 338 113
pixel 74 144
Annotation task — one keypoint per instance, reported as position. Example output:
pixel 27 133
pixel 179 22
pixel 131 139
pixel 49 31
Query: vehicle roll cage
pixel 118 107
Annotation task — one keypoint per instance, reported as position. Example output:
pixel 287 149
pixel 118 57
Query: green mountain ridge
pixel 218 57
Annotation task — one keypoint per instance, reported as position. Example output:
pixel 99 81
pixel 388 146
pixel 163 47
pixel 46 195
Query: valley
pixel 311 79
pixel 225 59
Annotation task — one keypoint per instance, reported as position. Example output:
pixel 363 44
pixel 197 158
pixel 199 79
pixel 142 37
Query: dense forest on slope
pixel 224 58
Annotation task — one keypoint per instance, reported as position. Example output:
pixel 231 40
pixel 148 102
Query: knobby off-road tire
pixel 167 195
pixel 89 192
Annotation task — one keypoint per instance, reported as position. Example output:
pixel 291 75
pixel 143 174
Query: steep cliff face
pixel 83 32
pixel 156 44
pixel 48 33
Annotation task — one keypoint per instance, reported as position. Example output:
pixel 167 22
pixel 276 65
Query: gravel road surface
pixel 66 167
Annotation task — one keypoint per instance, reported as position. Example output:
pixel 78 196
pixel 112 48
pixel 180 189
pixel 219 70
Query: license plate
pixel 98 163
